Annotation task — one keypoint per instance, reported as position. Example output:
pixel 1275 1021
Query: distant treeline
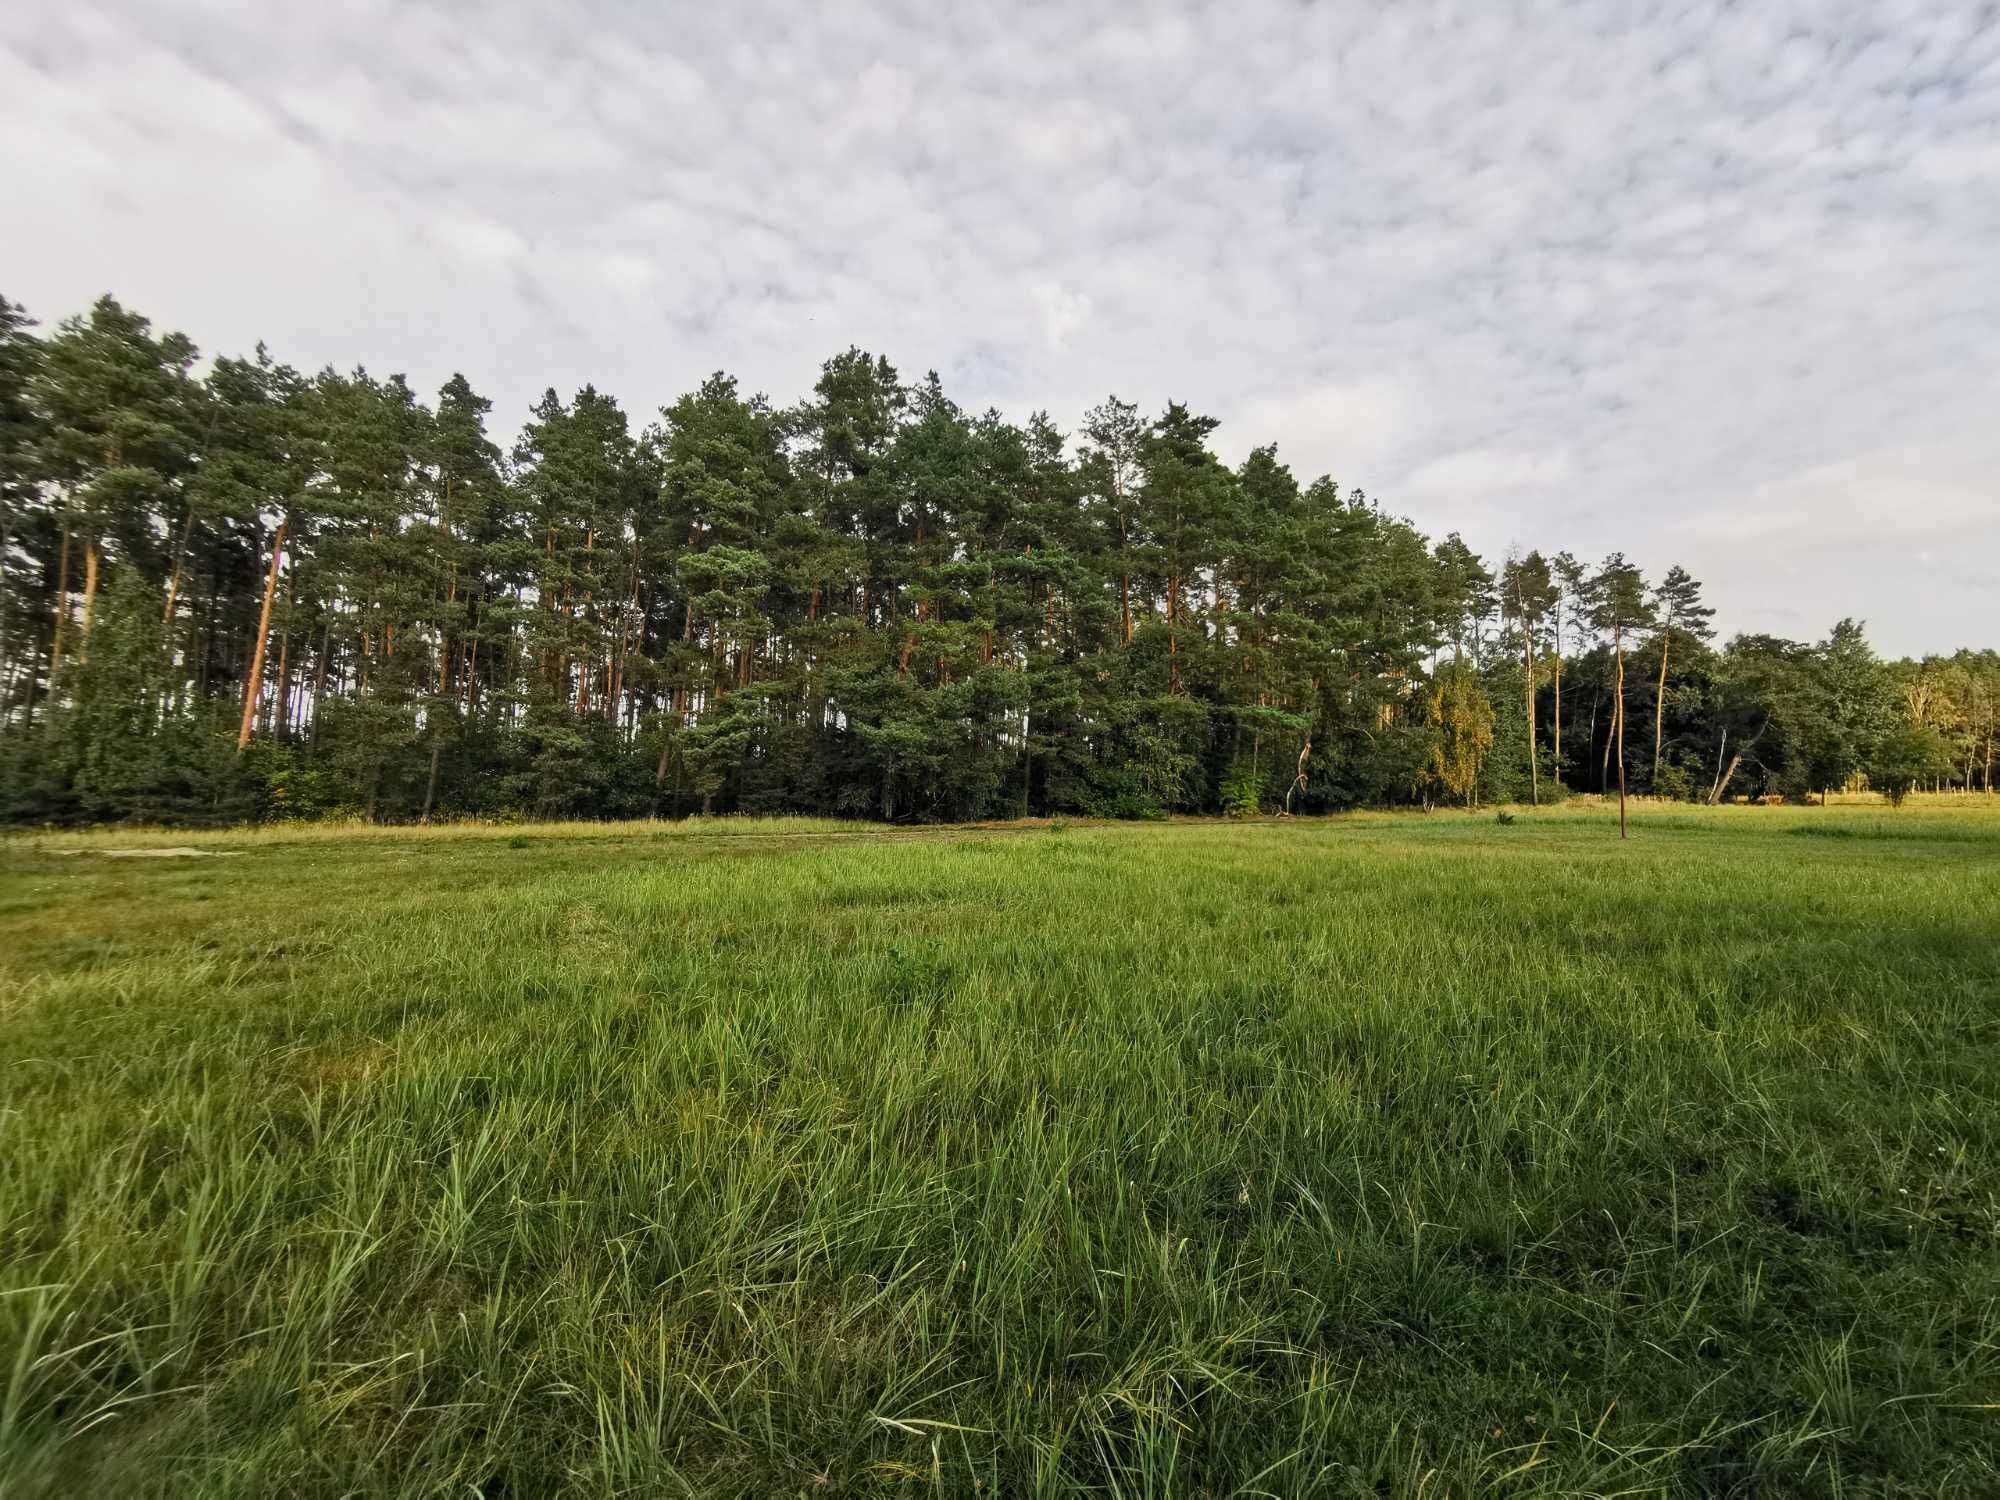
pixel 255 593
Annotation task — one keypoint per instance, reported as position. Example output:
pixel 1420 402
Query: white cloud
pixel 1344 428
pixel 1581 275
pixel 1480 489
pixel 1911 495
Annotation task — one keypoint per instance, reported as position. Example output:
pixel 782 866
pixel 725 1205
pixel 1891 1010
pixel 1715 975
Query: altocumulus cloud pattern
pixel 1704 282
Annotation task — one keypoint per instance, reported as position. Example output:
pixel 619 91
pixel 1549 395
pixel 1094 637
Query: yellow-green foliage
pixel 1461 717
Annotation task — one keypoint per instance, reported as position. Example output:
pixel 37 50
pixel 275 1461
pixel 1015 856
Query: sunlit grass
pixel 1382 1153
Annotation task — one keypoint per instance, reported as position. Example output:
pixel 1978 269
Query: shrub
pixel 1905 758
pixel 1242 793
pixel 1119 792
pixel 1674 782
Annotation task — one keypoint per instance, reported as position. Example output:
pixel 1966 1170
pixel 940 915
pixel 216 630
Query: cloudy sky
pixel 1708 283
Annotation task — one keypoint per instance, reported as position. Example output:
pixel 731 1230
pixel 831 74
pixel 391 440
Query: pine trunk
pixel 1722 783
pixel 1528 673
pixel 6 636
pixel 319 680
pixel 1604 762
pixel 1619 726
pixel 174 580
pixel 281 703
pixel 89 601
pixel 431 782
pixel 253 679
pixel 1660 706
pixel 1558 726
pixel 660 771
pixel 61 617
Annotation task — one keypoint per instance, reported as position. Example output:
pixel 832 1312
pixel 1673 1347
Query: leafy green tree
pixel 1906 756
pixel 1461 717
pixel 1959 697
pixel 1857 708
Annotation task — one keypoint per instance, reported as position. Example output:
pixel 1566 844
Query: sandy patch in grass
pixel 172 851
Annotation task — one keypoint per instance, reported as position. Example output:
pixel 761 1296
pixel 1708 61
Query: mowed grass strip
pixel 1393 1155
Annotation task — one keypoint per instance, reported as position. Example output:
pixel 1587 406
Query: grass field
pixel 1380 1155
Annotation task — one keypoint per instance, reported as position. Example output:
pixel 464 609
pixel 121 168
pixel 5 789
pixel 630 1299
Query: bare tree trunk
pixel 89 601
pixel 431 783
pixel 1299 778
pixel 1660 704
pixel 660 771
pixel 55 641
pixel 1604 764
pixel 281 701
pixel 1722 782
pixel 63 611
pixel 253 679
pixel 62 616
pixel 29 699
pixel 450 598
pixel 1528 673
pixel 319 678
pixel 174 579
pixel 1619 726
pixel 1559 696
pixel 6 636
pixel 1721 751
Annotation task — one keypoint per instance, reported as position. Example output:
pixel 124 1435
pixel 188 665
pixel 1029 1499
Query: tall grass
pixel 1406 1155
pixel 352 830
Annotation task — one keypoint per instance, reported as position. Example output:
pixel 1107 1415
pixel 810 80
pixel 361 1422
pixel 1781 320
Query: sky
pixel 1716 284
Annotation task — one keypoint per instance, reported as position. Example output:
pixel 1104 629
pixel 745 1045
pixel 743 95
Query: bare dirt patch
pixel 170 851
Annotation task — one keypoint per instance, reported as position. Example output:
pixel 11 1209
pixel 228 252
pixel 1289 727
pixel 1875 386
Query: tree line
pixel 249 592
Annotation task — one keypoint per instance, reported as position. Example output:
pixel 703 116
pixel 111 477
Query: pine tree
pixel 23 528
pixel 873 602
pixel 1571 583
pixel 1678 607
pixel 1464 594
pixel 117 406
pixel 1618 603
pixel 1527 593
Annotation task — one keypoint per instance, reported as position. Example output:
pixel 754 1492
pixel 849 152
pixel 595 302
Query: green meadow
pixel 1384 1154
